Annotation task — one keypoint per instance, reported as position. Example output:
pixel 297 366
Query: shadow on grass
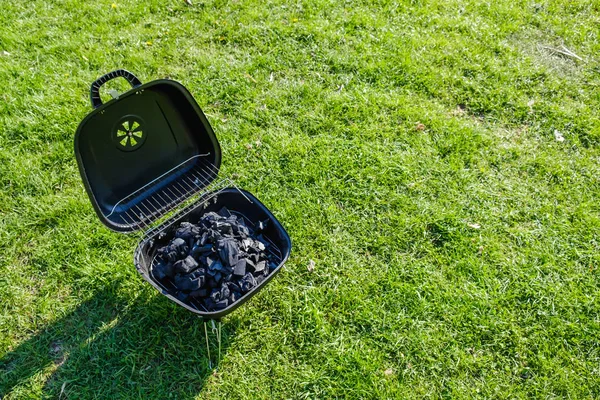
pixel 110 347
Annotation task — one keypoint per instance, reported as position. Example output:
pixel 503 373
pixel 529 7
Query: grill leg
pixel 216 330
pixel 219 340
pixel 207 346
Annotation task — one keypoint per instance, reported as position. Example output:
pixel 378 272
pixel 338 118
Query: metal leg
pixel 219 340
pixel 216 330
pixel 207 346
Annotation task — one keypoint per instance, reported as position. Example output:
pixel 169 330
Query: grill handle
pixel 95 88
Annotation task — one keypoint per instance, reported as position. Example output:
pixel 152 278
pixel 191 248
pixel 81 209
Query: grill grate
pixel 166 192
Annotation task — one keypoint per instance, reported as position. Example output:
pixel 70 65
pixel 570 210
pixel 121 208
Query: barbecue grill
pixel 151 153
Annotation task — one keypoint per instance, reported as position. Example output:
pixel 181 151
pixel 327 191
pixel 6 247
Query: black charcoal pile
pixel 215 261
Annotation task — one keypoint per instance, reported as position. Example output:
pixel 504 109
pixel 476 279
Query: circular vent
pixel 129 134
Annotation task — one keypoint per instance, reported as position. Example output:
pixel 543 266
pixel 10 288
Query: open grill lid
pixel 144 152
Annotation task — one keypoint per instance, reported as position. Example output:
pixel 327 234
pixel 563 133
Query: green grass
pixel 408 298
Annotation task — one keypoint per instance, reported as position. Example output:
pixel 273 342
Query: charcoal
pixel 179 245
pixel 240 268
pixel 214 236
pixel 203 239
pixel 184 231
pixel 234 287
pixel 172 256
pixel 199 249
pixel 260 266
pixel 186 265
pixel 181 296
pixel 202 260
pixel 250 265
pixel 217 260
pixel 163 270
pixel 211 283
pixel 247 283
pixel 209 304
pixel 221 304
pixel 210 261
pixel 228 251
pixel 200 272
pixel 199 293
pixel 247 243
pixel 240 230
pixel 234 297
pixel 225 292
pixel 211 216
pixel 224 228
pixel 216 266
pixel 187 283
pixel 215 295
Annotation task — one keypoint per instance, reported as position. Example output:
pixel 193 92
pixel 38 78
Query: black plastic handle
pixel 95 89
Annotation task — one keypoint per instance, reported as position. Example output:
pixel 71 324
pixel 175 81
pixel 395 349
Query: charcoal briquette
pixel 225 292
pixel 250 265
pixel 209 304
pixel 235 296
pixel 260 266
pixel 247 283
pixel 228 251
pixel 216 266
pixel 221 304
pixel 163 269
pixel 233 287
pixel 199 293
pixel 199 249
pixel 186 265
pixel 179 246
pixel 247 243
pixel 181 296
pixel 218 277
pixel 184 231
pixel 211 216
pixel 211 283
pixel 203 239
pixel 215 295
pixel 240 268
pixel 260 279
pixel 187 283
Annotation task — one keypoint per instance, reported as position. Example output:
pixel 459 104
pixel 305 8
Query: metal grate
pixel 141 208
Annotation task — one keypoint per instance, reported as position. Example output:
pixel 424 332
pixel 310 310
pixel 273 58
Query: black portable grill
pixel 142 155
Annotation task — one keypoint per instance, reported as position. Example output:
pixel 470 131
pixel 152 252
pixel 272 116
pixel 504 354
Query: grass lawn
pixel 438 160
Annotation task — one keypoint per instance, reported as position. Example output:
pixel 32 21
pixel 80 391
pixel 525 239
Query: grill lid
pixel 145 152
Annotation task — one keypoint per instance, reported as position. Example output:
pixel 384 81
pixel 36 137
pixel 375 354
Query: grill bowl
pixel 239 202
